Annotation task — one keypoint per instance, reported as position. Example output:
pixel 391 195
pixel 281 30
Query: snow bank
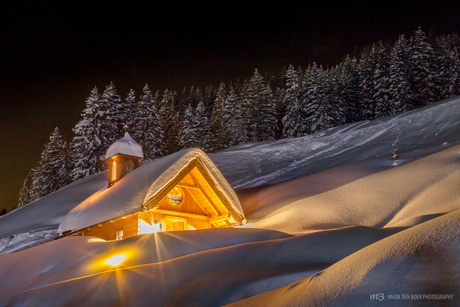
pixel 418 266
pixel 43 216
pixel 201 268
pixel 394 196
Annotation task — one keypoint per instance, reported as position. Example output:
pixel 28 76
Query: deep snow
pixel 332 205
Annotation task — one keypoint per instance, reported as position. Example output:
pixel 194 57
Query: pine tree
pixel 449 66
pixel 367 87
pixel 131 109
pixel 146 128
pixel 52 172
pixel 349 86
pixel 218 140
pixel 261 116
pixel 26 193
pixel 324 107
pixel 201 126
pixel 424 73
pixel 188 137
pixel 400 94
pixel 233 116
pixel 113 115
pixel 86 147
pixel 381 95
pixel 170 121
pixel 294 118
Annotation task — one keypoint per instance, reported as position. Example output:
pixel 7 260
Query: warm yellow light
pixel 116 260
pixel 114 170
pixel 145 227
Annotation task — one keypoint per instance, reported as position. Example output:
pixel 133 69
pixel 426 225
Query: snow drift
pixel 421 262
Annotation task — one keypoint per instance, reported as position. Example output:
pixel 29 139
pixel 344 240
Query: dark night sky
pixel 53 54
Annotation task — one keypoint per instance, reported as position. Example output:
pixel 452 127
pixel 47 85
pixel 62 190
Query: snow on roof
pixel 139 186
pixel 125 146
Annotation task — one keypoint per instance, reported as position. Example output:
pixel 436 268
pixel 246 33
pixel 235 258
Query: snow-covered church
pixel 182 191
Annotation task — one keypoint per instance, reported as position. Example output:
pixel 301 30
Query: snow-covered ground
pixel 331 220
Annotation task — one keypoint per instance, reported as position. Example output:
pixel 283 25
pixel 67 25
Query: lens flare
pixel 116 260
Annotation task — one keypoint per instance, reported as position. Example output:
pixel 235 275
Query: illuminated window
pixel 175 196
pixel 114 170
pixel 119 234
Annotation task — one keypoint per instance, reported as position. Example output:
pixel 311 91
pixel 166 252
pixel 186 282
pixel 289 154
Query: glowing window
pixel 114 170
pixel 175 196
pixel 119 234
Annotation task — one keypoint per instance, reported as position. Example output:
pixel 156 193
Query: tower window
pixel 114 170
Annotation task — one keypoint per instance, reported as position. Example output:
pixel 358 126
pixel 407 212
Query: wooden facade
pixel 120 165
pixel 191 200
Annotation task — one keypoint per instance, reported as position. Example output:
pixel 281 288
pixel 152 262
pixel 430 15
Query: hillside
pixel 331 218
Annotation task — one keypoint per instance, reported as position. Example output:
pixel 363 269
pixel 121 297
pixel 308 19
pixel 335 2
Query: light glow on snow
pixel 116 260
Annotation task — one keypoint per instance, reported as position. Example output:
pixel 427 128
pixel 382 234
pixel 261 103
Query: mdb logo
pixel 378 296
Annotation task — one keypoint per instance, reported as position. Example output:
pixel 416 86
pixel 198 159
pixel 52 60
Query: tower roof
pixel 125 146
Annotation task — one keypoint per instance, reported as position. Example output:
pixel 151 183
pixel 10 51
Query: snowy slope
pixel 38 221
pixel 416 133
pixel 421 262
pixel 333 205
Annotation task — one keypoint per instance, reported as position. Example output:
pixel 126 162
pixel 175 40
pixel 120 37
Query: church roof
pixel 125 146
pixel 138 187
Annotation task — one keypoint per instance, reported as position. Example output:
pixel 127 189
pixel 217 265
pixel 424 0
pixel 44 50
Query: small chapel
pixel 182 191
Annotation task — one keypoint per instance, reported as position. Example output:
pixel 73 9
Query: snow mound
pixel 394 196
pixel 125 146
pixel 419 265
pixel 196 268
pixel 18 228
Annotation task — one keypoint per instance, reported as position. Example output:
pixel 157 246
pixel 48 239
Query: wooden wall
pixel 108 230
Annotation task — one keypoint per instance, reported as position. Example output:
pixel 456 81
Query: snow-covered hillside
pixel 331 218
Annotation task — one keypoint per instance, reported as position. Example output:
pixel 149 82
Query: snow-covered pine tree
pixel 86 146
pixel 337 106
pixel 26 193
pixel 209 97
pixel 423 70
pixel 218 138
pixel 131 105
pixel 449 66
pixel 52 172
pixel 313 97
pixel 233 116
pixel 201 125
pixel 366 70
pixel 170 120
pixel 113 116
pixel 401 97
pixel 261 110
pixel 324 105
pixel 188 137
pixel 294 118
pixel 381 95
pixel 349 86
pixel 145 127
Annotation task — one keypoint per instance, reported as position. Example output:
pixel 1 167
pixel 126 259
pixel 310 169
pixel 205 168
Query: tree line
pixel 384 79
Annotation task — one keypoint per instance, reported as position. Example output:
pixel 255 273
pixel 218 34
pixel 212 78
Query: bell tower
pixel 122 157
